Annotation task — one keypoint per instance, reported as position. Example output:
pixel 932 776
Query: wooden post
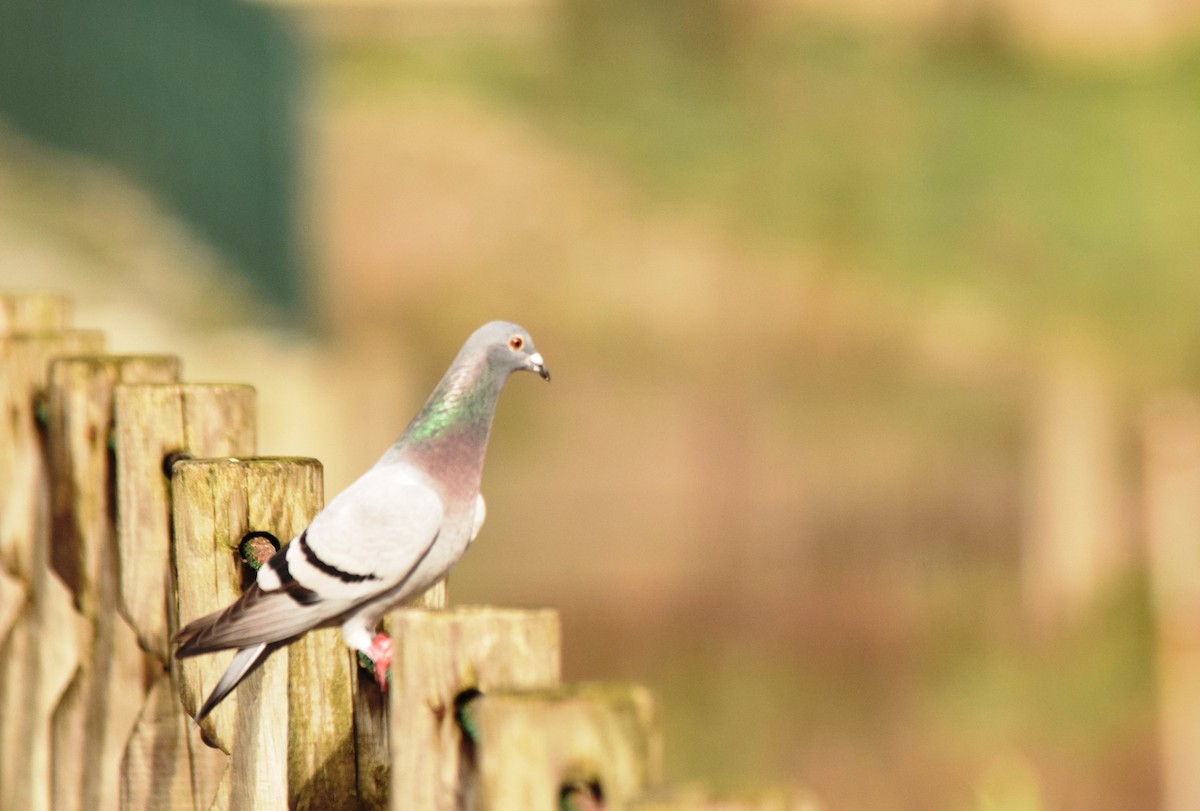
pixel 12 599
pixel 80 400
pixel 1172 504
pixel 372 763
pixel 166 765
pixel 96 716
pixel 39 654
pixel 291 736
pixel 535 746
pixel 20 313
pixel 439 655
pixel 152 421
pixel 371 717
pixel 322 772
pixel 24 362
pixel 33 312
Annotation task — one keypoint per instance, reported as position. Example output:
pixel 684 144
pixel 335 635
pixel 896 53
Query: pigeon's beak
pixel 534 363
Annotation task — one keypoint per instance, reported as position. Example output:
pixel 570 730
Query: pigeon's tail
pixel 245 662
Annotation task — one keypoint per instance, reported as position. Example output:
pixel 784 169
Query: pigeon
pixel 386 538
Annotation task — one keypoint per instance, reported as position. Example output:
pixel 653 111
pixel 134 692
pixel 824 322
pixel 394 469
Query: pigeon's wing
pixel 371 535
pixel 260 615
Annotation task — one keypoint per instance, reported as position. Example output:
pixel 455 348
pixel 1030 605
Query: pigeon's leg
pixel 380 653
pixel 378 648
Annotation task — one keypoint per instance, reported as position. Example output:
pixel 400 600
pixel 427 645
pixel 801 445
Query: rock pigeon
pixel 387 537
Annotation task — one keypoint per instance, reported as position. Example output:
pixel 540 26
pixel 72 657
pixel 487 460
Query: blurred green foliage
pixel 1060 193
pixel 198 102
pixel 1081 693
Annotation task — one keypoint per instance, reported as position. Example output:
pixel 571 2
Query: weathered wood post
pixel 535 748
pixel 322 770
pixel 166 766
pixel 291 737
pixel 93 721
pixel 441 658
pixel 24 364
pixel 33 312
pixel 21 313
pixel 1172 505
pixel 152 422
pixel 371 726
pixel 38 655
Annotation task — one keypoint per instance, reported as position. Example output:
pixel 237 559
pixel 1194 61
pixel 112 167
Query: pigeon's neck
pixel 450 433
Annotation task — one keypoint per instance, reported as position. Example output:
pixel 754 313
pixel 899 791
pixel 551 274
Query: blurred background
pixel 867 322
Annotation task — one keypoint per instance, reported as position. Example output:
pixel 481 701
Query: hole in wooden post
pixel 468 741
pixel 463 714
pixel 41 410
pixel 255 549
pixel 581 795
pixel 171 458
pixel 110 493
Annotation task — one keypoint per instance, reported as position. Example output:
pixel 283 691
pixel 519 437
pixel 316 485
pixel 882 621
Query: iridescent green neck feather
pixel 463 403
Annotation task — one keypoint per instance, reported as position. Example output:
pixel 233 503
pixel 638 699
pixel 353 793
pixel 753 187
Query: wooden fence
pixel 126 498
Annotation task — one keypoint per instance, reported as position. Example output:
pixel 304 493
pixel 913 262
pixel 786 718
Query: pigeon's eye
pixel 516 342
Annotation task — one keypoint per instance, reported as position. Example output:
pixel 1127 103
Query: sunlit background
pixel 860 317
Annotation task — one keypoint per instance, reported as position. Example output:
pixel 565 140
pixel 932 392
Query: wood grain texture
pixel 166 767
pixel 151 421
pixel 12 600
pixel 24 363
pixel 37 661
pixel 80 400
pixel 291 739
pixel 533 743
pixel 321 744
pixel 40 651
pixel 372 761
pixel 321 764
pixel 439 655
pixel 373 752
pixel 92 723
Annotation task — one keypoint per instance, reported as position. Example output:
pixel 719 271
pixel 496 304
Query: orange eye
pixel 516 342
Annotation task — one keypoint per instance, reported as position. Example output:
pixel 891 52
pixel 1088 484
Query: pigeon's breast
pixel 452 541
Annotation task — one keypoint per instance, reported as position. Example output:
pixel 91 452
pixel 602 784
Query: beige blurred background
pixel 857 315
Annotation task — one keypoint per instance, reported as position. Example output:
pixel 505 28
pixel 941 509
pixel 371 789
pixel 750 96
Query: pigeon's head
pixel 509 348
